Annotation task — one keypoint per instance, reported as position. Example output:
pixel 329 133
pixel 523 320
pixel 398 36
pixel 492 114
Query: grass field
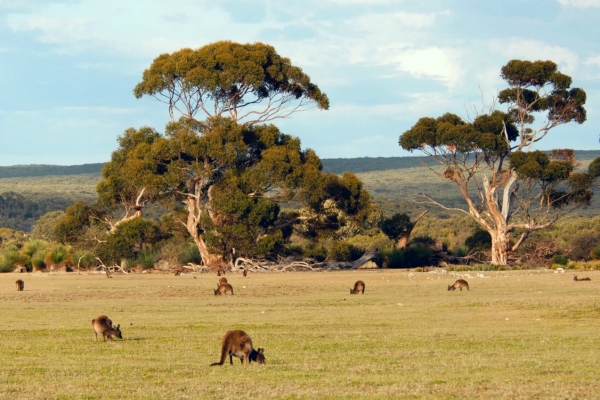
pixel 523 334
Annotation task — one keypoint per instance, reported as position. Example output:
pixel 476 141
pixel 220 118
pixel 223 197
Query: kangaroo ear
pixel 118 326
pixel 261 351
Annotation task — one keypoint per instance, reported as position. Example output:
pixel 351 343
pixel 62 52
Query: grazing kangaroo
pixel 104 325
pixel 574 278
pixel 108 274
pixel 222 281
pixel 359 286
pixel 20 285
pixel 245 273
pixel 220 271
pixel 459 284
pixel 238 343
pixel 223 288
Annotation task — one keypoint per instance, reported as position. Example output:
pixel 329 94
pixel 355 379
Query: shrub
pixel 84 259
pixel 582 246
pixel 190 254
pixel 37 260
pixel 479 240
pixel 344 251
pixel 462 251
pixel 293 250
pixel 319 253
pixel 560 260
pixel 595 253
pixel 415 255
pixel 11 259
pixel 58 257
pixel 146 259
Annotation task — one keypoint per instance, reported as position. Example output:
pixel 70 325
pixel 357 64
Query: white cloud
pixel 534 50
pixel 135 28
pixel 580 3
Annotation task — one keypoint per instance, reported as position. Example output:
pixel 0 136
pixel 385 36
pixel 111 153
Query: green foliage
pixel 59 256
pixel 582 245
pixel 190 254
pixel 11 258
pixel 318 253
pixel 145 258
pixel 45 227
pixel 450 131
pixel 128 240
pixel 83 258
pixel 344 251
pixel 69 228
pixel 20 212
pixel 560 260
pixel 230 76
pixel 396 226
pixel 416 255
pixel 479 240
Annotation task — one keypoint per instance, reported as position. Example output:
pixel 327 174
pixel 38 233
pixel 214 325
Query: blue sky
pixel 68 68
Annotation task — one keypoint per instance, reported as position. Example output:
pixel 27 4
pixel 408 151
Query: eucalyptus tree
pixel 218 158
pixel 249 83
pixel 509 187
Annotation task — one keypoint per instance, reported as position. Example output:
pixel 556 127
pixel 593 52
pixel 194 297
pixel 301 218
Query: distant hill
pixel 370 164
pixel 18 171
pixel 334 165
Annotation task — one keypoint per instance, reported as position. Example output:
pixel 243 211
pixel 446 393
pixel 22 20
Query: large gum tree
pixel 219 159
pixel 509 187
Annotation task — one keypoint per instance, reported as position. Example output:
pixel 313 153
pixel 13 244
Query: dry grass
pixel 516 334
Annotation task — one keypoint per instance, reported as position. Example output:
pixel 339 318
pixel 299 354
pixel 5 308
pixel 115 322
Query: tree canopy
pixel 250 83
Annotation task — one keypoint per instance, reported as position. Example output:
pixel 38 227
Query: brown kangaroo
pixel 220 271
pixel 20 285
pixel 223 288
pixel 245 273
pixel 238 343
pixel 459 284
pixel 359 286
pixel 574 278
pixel 104 325
pixel 222 281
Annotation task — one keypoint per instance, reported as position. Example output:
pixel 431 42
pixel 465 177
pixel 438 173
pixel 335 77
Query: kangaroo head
pixel 450 287
pixel 118 333
pixel 259 356
pixel 575 277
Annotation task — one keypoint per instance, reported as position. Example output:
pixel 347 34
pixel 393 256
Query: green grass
pixel 522 334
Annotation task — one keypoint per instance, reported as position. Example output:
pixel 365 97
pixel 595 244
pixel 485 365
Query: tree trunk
pixel 500 246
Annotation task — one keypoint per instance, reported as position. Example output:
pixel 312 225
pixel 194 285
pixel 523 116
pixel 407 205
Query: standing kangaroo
pixel 359 286
pixel 223 288
pixel 222 281
pixel 238 343
pixel 245 273
pixel 104 325
pixel 574 278
pixel 459 284
pixel 20 285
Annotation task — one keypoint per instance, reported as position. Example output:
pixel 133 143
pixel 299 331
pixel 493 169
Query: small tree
pixel 399 227
pixel 505 184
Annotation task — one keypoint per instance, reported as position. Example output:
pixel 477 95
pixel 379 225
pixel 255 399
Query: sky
pixel 68 68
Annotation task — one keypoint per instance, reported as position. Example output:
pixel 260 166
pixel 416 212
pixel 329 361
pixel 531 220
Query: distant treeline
pixel 20 213
pixel 334 165
pixel 17 171
pixel 369 164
